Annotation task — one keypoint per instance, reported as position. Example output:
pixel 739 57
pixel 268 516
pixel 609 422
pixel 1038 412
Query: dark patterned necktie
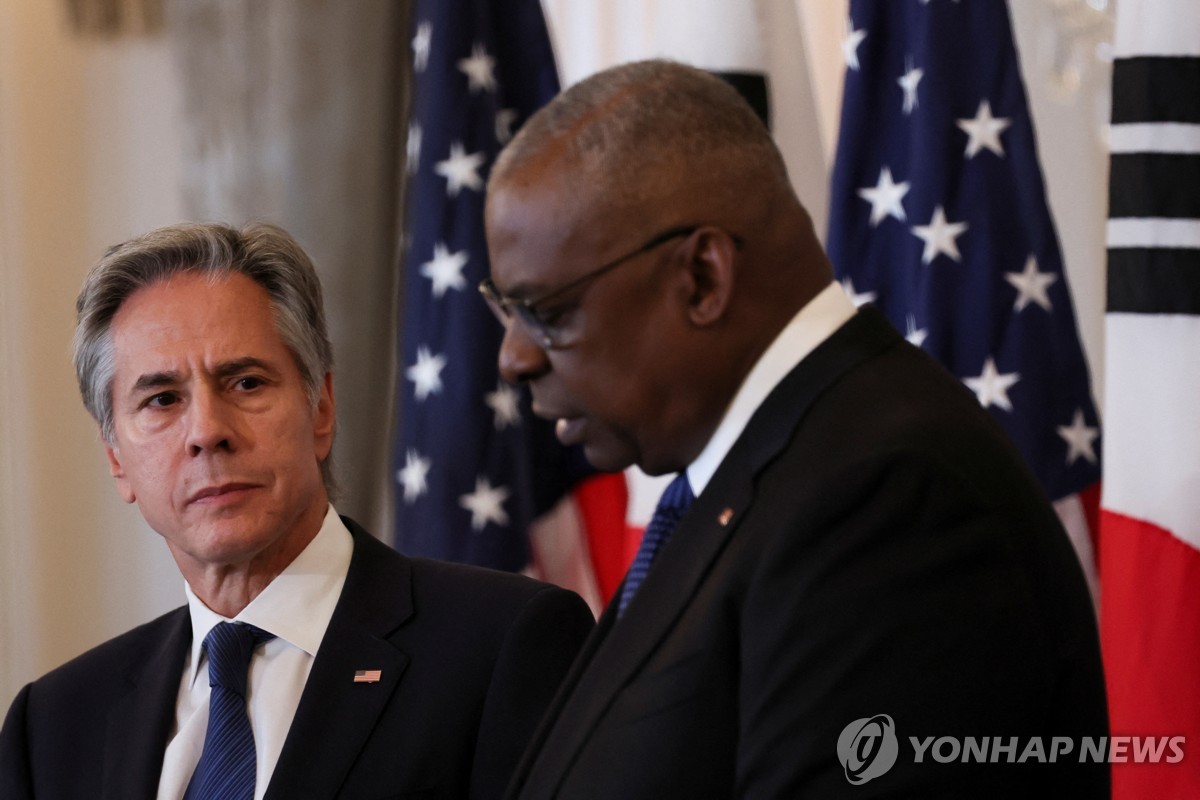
pixel 672 506
pixel 227 766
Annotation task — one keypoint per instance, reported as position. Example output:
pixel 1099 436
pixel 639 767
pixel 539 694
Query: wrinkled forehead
pixel 194 308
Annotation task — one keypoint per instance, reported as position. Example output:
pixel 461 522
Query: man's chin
pixel 230 545
pixel 607 458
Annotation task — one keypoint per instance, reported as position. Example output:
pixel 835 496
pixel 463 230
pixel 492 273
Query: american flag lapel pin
pixel 367 675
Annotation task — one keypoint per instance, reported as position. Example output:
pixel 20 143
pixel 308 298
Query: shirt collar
pixel 298 604
pixel 813 324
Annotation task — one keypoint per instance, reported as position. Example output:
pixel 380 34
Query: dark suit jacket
pixel 470 659
pixel 870 545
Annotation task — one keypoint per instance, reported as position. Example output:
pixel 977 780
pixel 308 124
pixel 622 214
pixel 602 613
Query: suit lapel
pixel 140 721
pixel 336 715
pixel 616 652
pixel 618 649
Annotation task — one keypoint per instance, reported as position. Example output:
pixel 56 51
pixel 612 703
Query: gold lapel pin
pixel 726 515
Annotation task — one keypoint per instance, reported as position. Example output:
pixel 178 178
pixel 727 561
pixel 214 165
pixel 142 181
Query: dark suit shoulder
pixel 477 584
pixel 900 438
pixel 112 658
pixel 477 597
pixel 488 602
pixel 897 405
pixel 66 731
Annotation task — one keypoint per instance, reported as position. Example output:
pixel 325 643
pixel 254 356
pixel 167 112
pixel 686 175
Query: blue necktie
pixel 227 766
pixel 672 506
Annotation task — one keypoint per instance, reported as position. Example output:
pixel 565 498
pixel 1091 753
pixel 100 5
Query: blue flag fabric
pixel 473 467
pixel 938 215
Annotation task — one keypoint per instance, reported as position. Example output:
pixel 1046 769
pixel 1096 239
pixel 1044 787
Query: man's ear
pixel 324 419
pixel 711 264
pixel 124 487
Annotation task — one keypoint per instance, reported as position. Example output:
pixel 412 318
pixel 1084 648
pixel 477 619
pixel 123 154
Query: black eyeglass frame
pixel 505 308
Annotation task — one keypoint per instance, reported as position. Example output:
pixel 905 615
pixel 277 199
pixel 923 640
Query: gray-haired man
pixel 310 660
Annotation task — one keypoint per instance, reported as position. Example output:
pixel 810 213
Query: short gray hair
pixel 617 126
pixel 265 253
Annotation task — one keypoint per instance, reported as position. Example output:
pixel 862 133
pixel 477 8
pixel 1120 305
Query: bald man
pixel 851 558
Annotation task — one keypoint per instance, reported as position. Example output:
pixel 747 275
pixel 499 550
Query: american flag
pixel 938 215
pixel 473 467
pixel 368 675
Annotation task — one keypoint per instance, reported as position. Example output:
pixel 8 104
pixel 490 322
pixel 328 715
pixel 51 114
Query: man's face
pixel 611 388
pixel 214 436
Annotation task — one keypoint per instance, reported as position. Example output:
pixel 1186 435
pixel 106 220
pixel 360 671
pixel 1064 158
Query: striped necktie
pixel 227 766
pixel 672 506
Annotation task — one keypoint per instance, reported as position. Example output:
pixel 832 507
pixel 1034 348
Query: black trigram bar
pixel 1154 280
pixel 1156 89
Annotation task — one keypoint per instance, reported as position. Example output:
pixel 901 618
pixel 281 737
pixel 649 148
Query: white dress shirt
pixel 296 607
pixel 813 324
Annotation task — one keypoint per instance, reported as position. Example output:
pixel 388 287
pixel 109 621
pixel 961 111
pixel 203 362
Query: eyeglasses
pixel 538 314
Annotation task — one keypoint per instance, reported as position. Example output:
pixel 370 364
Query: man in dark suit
pixel 311 660
pixel 866 576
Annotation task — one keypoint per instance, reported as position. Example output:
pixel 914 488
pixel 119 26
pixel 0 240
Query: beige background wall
pixel 88 157
pixel 91 154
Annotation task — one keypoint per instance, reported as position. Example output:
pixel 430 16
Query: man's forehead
pixel 562 201
pixel 537 210
pixel 225 318
pixel 551 186
pixel 193 289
